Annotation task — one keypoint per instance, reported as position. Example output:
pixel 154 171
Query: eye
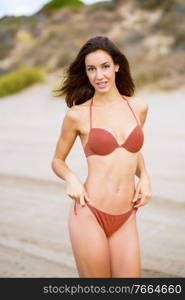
pixel 90 69
pixel 106 66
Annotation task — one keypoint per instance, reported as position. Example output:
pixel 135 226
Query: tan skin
pixel 109 186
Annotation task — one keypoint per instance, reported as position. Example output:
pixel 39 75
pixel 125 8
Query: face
pixel 100 70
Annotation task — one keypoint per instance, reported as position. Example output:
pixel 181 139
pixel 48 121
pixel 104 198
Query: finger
pixel 140 202
pixel 136 196
pixel 137 202
pixel 148 197
pixel 75 197
pixel 86 196
pixel 72 196
pixel 137 206
pixel 82 201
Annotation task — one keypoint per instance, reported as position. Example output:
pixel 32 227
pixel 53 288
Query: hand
pixel 76 190
pixel 142 192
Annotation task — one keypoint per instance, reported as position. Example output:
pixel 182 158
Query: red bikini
pixel 102 142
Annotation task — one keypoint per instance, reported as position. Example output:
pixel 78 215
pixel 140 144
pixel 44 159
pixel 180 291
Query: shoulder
pixel 72 117
pixel 139 103
pixel 73 112
pixel 77 113
pixel 140 107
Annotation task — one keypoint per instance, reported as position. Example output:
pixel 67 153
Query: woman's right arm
pixel 68 134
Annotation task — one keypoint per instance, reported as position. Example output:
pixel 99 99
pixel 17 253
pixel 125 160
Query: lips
pixel 102 84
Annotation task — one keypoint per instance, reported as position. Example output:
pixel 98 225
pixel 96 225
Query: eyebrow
pixel 101 64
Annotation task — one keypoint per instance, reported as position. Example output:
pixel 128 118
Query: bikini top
pixel 102 142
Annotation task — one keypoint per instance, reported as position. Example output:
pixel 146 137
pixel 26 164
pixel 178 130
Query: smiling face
pixel 100 70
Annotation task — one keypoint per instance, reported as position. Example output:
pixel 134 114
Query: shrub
pixel 57 4
pixel 15 81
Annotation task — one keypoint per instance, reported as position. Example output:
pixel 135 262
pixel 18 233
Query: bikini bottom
pixel 109 223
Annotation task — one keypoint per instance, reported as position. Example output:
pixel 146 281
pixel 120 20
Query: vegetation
pixel 57 4
pixel 15 81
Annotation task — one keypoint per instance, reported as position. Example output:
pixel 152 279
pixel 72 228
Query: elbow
pixel 56 164
pixel 53 165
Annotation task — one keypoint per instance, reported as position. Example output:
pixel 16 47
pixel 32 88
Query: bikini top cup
pixel 102 142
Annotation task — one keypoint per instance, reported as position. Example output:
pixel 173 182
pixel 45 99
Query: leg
pixel 89 244
pixel 124 250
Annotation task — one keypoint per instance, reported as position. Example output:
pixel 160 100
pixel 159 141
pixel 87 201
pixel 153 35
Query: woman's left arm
pixel 143 191
pixel 141 168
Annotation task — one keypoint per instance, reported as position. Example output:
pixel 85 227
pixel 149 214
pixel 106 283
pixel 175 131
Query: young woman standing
pixel 108 118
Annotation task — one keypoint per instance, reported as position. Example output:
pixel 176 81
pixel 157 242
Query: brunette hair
pixel 76 86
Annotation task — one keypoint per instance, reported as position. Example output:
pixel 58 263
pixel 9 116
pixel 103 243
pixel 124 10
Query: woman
pixel 108 119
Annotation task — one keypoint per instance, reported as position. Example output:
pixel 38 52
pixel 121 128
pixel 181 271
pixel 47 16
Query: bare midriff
pixel 110 182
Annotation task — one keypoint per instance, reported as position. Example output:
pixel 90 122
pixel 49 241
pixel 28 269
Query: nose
pixel 99 74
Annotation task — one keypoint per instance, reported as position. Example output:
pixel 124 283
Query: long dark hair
pixel 76 86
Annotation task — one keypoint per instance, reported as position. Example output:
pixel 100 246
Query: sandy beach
pixel 34 240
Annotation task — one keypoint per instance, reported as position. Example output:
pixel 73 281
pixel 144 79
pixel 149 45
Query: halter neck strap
pixel 91 113
pixel 133 112
pixel 91 103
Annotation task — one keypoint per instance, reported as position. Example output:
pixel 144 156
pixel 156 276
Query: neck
pixel 103 99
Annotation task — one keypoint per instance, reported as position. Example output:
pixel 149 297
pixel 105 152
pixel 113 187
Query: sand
pixel 34 240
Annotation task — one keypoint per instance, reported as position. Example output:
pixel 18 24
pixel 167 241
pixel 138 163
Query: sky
pixel 26 7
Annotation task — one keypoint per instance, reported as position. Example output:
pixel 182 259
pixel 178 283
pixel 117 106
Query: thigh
pixel 125 250
pixel 89 244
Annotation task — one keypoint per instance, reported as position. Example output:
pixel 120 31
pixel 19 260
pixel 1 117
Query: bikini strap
pixel 91 113
pixel 133 112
